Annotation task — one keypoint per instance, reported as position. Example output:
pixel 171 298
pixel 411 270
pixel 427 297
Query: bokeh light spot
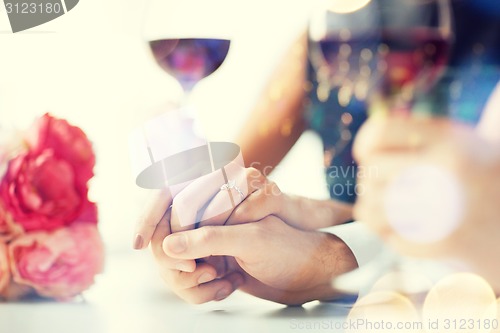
pixel 424 204
pixel 460 303
pixel 410 283
pixel 384 311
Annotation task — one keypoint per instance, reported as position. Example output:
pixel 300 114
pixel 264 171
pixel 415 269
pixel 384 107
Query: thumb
pixel 234 240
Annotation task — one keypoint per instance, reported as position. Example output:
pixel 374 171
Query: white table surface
pixel 129 297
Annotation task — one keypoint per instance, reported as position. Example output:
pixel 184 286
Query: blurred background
pixel 92 66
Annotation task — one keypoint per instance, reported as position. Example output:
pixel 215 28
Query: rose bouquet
pixel 49 241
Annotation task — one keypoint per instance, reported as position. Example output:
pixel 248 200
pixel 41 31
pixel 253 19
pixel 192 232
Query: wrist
pixel 331 258
pixel 299 212
pixel 334 258
pixel 285 207
pixel 310 214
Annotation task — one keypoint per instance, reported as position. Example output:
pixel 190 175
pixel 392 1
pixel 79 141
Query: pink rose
pixel 45 188
pixel 41 193
pixel 4 267
pixel 67 142
pixel 60 264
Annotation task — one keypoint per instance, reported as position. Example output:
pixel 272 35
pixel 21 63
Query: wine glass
pixel 388 54
pixel 189 40
pixel 384 52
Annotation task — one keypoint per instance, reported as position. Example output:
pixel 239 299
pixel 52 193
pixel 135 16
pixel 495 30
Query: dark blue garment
pixel 461 94
pixel 325 119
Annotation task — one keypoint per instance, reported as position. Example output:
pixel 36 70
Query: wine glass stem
pixel 190 113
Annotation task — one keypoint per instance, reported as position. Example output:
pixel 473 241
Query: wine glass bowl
pixel 341 51
pixel 386 52
pixel 189 39
pixel 189 60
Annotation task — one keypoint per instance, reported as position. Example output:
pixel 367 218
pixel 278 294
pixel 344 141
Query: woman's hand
pixel 262 198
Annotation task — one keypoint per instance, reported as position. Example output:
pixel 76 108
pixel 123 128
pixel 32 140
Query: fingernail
pixel 205 277
pixel 177 243
pixel 183 266
pixel 138 242
pixel 221 294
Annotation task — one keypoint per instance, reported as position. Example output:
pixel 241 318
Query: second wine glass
pixel 387 53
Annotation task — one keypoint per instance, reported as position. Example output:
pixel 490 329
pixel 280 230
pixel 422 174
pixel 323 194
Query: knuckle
pixel 275 190
pixel 260 198
pixel 252 171
pixel 207 234
pixel 254 174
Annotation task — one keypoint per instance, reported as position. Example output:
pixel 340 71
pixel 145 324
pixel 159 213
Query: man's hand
pixel 268 259
pixel 275 260
pixel 436 190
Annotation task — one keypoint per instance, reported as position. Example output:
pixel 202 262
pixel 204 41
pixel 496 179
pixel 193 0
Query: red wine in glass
pixel 190 59
pixel 389 60
pixel 415 57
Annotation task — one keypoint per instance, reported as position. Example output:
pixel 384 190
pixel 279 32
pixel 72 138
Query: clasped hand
pixel 257 246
